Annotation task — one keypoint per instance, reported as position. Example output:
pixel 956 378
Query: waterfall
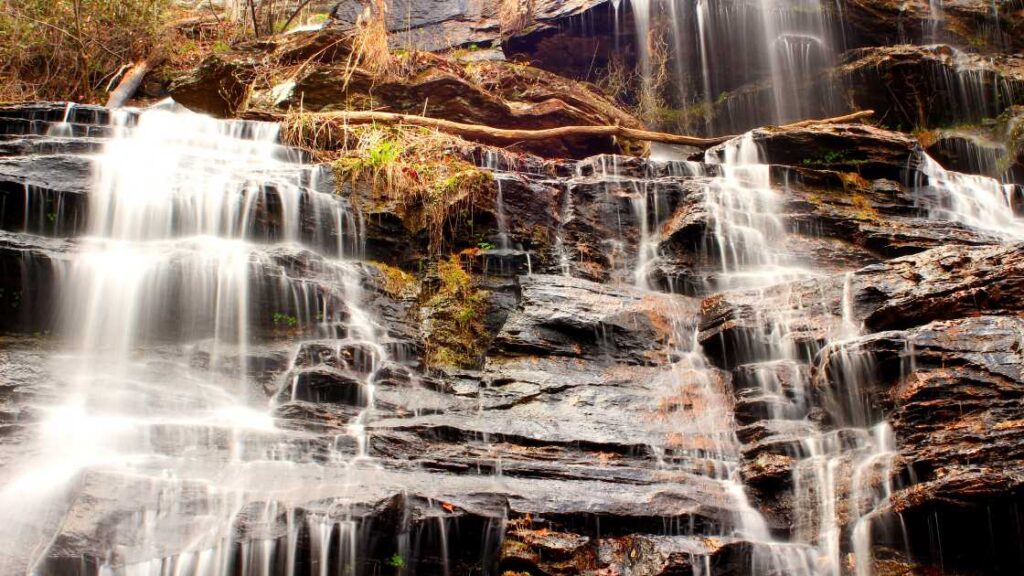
pixel 980 202
pixel 748 234
pixel 759 62
pixel 204 237
pixel 748 238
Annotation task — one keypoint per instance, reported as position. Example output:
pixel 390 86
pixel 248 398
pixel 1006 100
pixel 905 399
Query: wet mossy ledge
pixel 422 176
pixel 442 204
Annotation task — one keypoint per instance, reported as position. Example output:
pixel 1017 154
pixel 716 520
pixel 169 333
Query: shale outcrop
pixel 589 411
pixel 795 352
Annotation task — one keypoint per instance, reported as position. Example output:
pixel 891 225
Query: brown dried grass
pixel 370 50
pixel 514 16
pixel 74 49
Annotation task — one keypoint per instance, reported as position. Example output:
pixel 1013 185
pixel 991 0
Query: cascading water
pixel 844 474
pixel 201 234
pixel 980 202
pixel 748 235
pixel 769 53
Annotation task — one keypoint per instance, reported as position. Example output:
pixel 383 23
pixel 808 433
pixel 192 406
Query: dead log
pixel 852 117
pixel 130 82
pixel 489 134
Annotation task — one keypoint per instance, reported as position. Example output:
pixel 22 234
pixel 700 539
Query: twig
pixel 294 14
pixel 213 11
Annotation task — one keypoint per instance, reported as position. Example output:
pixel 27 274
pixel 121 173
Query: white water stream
pixel 201 233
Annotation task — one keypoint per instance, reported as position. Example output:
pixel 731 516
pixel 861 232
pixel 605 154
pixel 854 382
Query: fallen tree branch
pixel 479 132
pixel 852 117
pixel 130 82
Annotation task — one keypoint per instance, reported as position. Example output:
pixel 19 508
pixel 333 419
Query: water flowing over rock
pixel 935 85
pixel 994 26
pixel 798 352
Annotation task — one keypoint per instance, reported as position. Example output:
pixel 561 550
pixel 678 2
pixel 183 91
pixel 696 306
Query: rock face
pixel 968 22
pixel 434 25
pixel 944 365
pixel 569 383
pixel 914 86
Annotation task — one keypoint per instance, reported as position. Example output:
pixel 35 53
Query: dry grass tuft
pixel 370 50
pixel 396 282
pixel 514 16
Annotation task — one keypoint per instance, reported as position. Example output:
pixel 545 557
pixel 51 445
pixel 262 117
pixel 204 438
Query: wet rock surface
pixel 914 86
pixel 596 431
pixel 943 365
pixel 953 389
pixel 989 26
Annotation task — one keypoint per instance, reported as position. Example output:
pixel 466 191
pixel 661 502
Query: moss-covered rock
pixel 453 318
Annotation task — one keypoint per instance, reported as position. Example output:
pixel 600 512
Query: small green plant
pixel 285 320
pixel 830 157
pixel 382 153
pixel 52 217
pixel 396 561
pixel 485 246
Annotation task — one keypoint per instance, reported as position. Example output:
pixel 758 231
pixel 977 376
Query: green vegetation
pixel 282 320
pixel 220 47
pixel 414 171
pixel 464 51
pixel 382 154
pixel 830 157
pixel 457 335
pixel 396 561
